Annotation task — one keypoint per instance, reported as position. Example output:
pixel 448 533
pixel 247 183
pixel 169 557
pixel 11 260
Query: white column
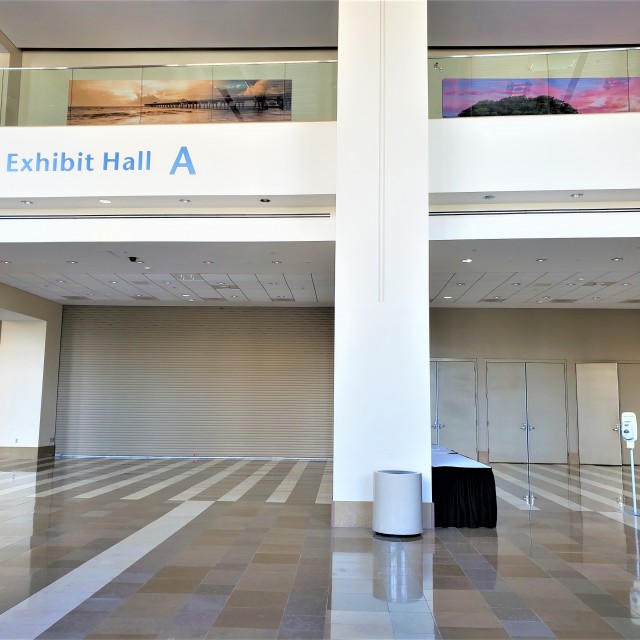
pixel 382 297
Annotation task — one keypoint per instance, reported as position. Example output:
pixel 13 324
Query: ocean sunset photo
pixel 123 102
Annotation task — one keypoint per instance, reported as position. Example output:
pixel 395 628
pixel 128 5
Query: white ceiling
pixel 104 275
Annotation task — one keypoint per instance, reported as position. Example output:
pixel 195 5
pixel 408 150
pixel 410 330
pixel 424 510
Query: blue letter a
pixel 183 160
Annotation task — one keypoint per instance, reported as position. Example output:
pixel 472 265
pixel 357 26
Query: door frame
pixel 475 389
pixel 524 362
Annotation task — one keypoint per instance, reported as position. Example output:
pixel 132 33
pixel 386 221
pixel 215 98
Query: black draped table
pixel 464 490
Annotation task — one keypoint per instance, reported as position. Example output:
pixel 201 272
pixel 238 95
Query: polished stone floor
pixel 105 548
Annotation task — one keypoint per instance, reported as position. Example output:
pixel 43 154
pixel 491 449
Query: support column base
pixel 360 514
pixel 27 453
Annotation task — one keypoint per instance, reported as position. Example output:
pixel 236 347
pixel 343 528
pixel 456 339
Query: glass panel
pixel 43 97
pixel 448 80
pixel 590 82
pixel 105 96
pixel 633 61
pixel 313 88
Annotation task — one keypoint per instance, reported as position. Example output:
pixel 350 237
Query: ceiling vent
pixel 563 301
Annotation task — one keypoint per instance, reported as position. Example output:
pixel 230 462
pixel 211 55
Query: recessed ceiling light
pixel 207 262
pixel 138 295
pixel 447 297
pixel 89 294
pixel 460 284
pixel 617 259
pixel 234 296
pixel 147 268
pixel 541 259
pixel 139 261
pixel 281 297
pixel 496 297
pixel 626 284
pixel 26 201
pixel 571 284
pixel 596 297
pixel 546 297
pixel 466 260
pixel 113 282
pixel 72 261
pixel 186 295
pixel 191 300
pixel 539 301
pixel 489 196
pixel 184 201
pixel 265 199
pixel 104 201
pixel 276 262
pixel 6 262
pixel 273 283
pixel 577 195
pixel 580 279
pixel 221 284
pixel 61 281
pixel 516 284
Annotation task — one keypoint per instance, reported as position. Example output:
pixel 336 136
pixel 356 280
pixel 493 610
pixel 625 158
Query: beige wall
pixel 538 334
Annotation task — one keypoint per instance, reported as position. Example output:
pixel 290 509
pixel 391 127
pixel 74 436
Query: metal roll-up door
pixel 163 381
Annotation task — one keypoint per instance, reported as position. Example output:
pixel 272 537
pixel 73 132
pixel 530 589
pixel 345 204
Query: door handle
pixel 616 428
pixel 524 426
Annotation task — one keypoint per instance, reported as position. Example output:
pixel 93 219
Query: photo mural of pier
pixel 102 102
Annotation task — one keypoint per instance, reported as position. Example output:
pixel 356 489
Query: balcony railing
pixel 212 93
pixel 570 82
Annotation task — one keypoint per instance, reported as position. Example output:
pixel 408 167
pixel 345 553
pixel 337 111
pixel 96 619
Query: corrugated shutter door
pixel 163 381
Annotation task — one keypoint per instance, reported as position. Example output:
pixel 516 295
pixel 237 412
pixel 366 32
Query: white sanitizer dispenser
pixel 629 428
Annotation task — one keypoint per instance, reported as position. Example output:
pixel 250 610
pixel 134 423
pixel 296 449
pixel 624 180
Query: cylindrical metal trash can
pixel 397 502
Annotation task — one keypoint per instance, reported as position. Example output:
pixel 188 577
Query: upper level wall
pixel 552 153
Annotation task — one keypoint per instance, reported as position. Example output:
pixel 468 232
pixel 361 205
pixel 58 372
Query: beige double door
pixel 605 389
pixel 527 412
pixel 454 414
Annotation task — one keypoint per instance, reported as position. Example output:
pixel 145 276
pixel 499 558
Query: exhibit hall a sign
pixel 220 159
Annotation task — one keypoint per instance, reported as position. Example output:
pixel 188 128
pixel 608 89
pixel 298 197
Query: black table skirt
pixel 464 497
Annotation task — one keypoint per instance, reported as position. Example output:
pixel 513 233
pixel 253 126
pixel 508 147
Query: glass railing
pixel 255 92
pixel 569 82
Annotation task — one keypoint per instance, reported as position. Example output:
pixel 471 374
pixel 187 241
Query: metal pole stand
pixel 634 507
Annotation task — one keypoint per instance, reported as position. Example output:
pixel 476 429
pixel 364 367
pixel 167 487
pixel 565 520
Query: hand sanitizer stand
pixel 629 433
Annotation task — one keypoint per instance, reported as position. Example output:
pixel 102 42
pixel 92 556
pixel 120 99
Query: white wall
pixel 534 153
pixel 568 335
pixel 29 358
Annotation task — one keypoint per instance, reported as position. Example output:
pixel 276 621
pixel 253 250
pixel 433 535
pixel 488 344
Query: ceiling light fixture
pixel 541 259
pixel 577 195
pixel 276 262
pixel 60 281
pixel 113 282
pixel 617 259
pixel 626 284
pixel 447 297
pixel 186 295
pixel 207 262
pixel 72 261
pixel 6 262
pixel 466 260
pixel 184 201
pixel 26 201
pixel 147 268
pixel 460 284
pixel 139 261
pixel 104 201
pixel 596 297
pixel 516 284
